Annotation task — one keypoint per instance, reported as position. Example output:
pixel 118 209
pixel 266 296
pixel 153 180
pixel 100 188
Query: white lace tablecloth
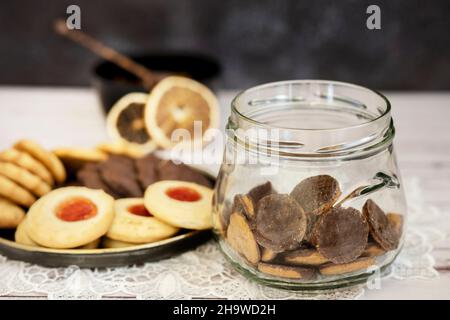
pixel 204 273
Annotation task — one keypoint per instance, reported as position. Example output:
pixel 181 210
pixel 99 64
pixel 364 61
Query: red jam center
pixel 139 210
pixel 76 209
pixel 183 194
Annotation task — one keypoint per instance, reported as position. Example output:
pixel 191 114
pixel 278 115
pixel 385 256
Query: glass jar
pixel 309 194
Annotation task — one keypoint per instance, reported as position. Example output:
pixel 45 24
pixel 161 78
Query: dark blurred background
pixel 255 41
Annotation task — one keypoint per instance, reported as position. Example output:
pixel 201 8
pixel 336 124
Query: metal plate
pixel 104 258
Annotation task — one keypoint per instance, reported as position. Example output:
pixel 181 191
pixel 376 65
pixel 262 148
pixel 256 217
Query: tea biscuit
pixel 181 204
pixel 24 178
pixel 15 193
pixel 341 234
pixel 75 158
pixel 283 271
pixel 133 223
pixel 280 223
pixel 21 236
pixel 241 238
pixel 24 160
pixel 317 194
pixel 120 149
pixel 111 243
pixel 306 257
pixel 359 264
pixel 50 160
pixel 11 215
pixel 381 230
pixel 70 217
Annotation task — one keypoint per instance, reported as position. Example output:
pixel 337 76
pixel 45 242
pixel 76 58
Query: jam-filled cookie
pixel 111 243
pixel 135 224
pixel 21 236
pixel 70 217
pixel 182 204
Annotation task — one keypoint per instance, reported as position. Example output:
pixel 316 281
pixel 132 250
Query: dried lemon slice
pixel 176 103
pixel 125 123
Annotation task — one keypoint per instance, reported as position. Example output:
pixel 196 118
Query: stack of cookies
pixel 27 172
pixel 307 233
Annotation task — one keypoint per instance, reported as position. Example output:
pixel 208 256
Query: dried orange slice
pixel 125 123
pixel 176 103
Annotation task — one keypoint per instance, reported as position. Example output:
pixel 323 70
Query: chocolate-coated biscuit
pixel 396 220
pixel 359 264
pixel 317 194
pixel 341 234
pixel 168 170
pixel 147 170
pixel 241 238
pixel 305 257
pixel 381 230
pixel 89 176
pixel 280 223
pixel 284 271
pixel 118 173
pixel 373 250
pixel 243 204
pixel 267 254
pixel 259 192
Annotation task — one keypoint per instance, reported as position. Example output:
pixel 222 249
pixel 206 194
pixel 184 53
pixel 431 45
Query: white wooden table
pixel 62 116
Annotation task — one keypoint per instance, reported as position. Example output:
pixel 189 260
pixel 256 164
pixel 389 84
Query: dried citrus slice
pixel 176 103
pixel 125 123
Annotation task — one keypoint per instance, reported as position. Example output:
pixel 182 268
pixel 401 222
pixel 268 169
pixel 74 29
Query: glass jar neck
pixel 311 118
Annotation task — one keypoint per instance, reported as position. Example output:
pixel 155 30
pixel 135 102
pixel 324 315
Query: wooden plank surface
pixel 62 116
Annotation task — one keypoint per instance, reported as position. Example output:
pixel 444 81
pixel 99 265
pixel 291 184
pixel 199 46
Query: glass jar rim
pixel 234 103
pixel 337 102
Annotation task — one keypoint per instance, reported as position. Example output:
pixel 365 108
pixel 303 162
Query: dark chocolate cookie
pixel 317 194
pixel 259 192
pixel 89 176
pixel 119 174
pixel 147 170
pixel 168 170
pixel 341 234
pixel 280 223
pixel 381 230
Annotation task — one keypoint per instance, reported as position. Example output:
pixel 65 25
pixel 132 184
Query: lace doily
pixel 204 272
